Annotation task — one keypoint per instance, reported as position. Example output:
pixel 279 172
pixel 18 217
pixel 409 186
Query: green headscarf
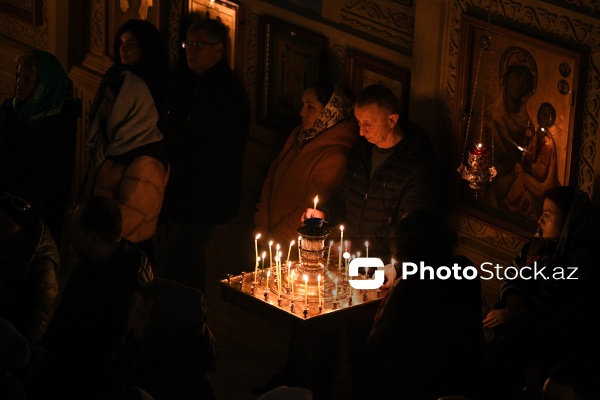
pixel 52 87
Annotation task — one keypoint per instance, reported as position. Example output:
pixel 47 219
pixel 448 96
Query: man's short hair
pixel 380 95
pixel 102 216
pixel 216 31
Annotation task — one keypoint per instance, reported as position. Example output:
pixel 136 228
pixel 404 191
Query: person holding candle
pixel 311 164
pixel 390 171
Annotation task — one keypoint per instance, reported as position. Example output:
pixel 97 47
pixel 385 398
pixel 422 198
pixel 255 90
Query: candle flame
pixel 268 274
pixel 258 236
pixel 277 247
pixel 335 280
pixel 270 243
pixel 319 277
pixel 305 277
pixel 342 228
pixel 264 254
pixel 293 272
pixel 292 243
pixel 346 255
pixel 316 201
pixel 366 244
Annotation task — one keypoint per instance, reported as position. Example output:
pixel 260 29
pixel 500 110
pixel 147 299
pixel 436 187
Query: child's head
pixel 546 115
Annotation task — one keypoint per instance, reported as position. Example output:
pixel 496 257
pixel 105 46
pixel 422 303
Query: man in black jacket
pixel 205 122
pixel 391 171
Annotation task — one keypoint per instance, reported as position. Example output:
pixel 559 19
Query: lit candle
pixel 305 277
pixel 267 280
pixel 316 201
pixel 319 287
pixel 289 265
pixel 340 252
pixel 367 247
pixel 277 261
pixel 256 269
pixel 329 252
pixel 346 257
pixel 299 243
pixel 262 268
pixel 334 294
pixel 292 281
pixel 270 254
pixel 256 244
pixel 287 262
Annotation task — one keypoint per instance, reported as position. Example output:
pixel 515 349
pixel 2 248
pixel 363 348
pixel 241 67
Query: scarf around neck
pixel 337 108
pixel 130 124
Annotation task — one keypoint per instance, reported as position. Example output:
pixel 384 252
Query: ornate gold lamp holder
pixel 477 160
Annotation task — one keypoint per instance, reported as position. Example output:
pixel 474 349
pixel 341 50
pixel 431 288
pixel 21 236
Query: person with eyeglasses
pixel 29 263
pixel 37 137
pixel 205 121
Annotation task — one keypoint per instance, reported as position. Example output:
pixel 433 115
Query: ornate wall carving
pixel 36 36
pixel 540 19
pixel 391 22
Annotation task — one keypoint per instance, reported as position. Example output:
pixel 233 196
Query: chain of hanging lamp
pixel 478 169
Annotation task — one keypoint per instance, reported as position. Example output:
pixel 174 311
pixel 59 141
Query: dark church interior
pixel 299 199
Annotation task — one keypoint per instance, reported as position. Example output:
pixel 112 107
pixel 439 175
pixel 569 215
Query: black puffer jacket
pixel 29 284
pixel 372 206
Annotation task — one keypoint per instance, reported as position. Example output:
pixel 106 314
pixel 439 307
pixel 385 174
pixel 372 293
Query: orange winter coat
pixel 296 177
pixel 139 188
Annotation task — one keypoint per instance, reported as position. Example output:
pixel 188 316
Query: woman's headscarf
pixel 52 87
pixel 131 123
pixel 337 108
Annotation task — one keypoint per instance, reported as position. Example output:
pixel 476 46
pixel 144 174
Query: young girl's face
pixel 551 221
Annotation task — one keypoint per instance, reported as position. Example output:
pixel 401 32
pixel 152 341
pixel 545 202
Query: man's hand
pixel 312 213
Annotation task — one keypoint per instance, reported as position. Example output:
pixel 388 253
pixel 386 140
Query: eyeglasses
pixel 17 202
pixel 198 44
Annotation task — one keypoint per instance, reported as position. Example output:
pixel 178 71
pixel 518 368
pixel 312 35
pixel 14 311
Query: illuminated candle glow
pixel 256 244
pixel 292 282
pixel 270 254
pixel 287 262
pixel 316 201
pixel 262 268
pixel 299 243
pixel 367 246
pixel 256 269
pixel 305 277
pixel 267 280
pixel 346 257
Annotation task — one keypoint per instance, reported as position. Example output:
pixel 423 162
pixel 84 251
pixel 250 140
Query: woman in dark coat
pixel 37 137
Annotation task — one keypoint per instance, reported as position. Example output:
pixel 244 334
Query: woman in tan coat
pixel 127 159
pixel 312 163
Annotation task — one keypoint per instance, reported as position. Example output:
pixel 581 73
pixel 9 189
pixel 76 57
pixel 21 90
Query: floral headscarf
pixel 52 87
pixel 337 108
